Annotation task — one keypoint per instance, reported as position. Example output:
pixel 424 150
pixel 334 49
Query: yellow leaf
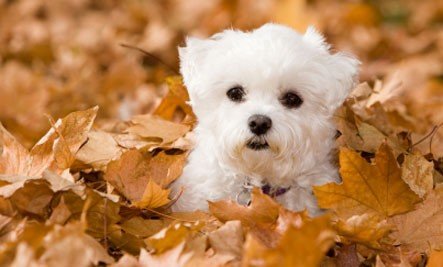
pixel 304 246
pixel 153 197
pixel 374 188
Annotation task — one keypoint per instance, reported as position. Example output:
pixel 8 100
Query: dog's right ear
pixel 192 60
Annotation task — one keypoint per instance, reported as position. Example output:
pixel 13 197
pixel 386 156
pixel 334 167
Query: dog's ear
pixel 192 58
pixel 344 69
pixel 313 37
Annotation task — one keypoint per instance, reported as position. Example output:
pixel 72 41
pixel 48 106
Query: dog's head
pixel 268 94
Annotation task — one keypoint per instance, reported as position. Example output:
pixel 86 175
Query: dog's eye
pixel 291 100
pixel 236 94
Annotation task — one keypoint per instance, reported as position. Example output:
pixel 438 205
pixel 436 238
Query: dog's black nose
pixel 259 124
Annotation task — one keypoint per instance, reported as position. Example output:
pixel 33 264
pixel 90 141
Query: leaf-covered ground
pixel 92 134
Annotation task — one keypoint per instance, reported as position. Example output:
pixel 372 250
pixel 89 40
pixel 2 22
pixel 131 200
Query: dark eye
pixel 291 100
pixel 236 94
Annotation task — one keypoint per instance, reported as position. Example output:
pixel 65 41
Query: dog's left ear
pixel 343 69
pixel 192 60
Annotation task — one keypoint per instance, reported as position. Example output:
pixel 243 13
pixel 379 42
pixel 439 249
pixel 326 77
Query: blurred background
pixel 65 55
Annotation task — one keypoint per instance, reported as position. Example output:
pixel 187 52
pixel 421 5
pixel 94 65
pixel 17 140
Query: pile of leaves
pixel 91 188
pixel 103 193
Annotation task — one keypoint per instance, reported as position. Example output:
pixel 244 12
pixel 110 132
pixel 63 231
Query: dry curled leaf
pixel 417 172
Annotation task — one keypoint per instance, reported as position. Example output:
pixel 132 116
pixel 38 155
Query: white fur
pixel 267 62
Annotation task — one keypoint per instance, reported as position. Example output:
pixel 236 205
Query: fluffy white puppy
pixel 264 101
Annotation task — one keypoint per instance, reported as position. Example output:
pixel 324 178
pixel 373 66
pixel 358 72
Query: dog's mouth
pixel 257 144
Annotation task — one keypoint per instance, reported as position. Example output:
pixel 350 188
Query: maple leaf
pixel 263 210
pixel 304 246
pixel 421 229
pixel 374 188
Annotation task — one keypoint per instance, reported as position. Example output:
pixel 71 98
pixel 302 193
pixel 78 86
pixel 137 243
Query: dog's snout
pixel 259 124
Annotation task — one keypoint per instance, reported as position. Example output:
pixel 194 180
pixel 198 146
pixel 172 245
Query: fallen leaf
pixel 14 158
pixel 153 197
pixel 157 129
pixel 373 188
pixel 435 259
pixel 99 150
pixel 128 174
pixel 72 238
pixel 228 239
pixel 417 172
pixel 365 229
pixel 171 236
pixel 173 258
pixel 165 168
pixel 421 229
pixel 176 98
pixel 263 210
pixel 305 246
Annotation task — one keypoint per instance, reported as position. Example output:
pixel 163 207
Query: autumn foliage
pixel 92 134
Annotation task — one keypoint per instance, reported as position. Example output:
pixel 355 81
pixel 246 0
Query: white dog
pixel 264 101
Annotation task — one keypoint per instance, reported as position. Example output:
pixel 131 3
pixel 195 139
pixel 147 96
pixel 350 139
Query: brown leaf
pixel 14 158
pixel 164 168
pixel 228 239
pixel 65 244
pixel 173 258
pixel 421 229
pixel 62 141
pixel 374 188
pixel 263 210
pixel 417 172
pixel 99 150
pixel 157 129
pixel 128 174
